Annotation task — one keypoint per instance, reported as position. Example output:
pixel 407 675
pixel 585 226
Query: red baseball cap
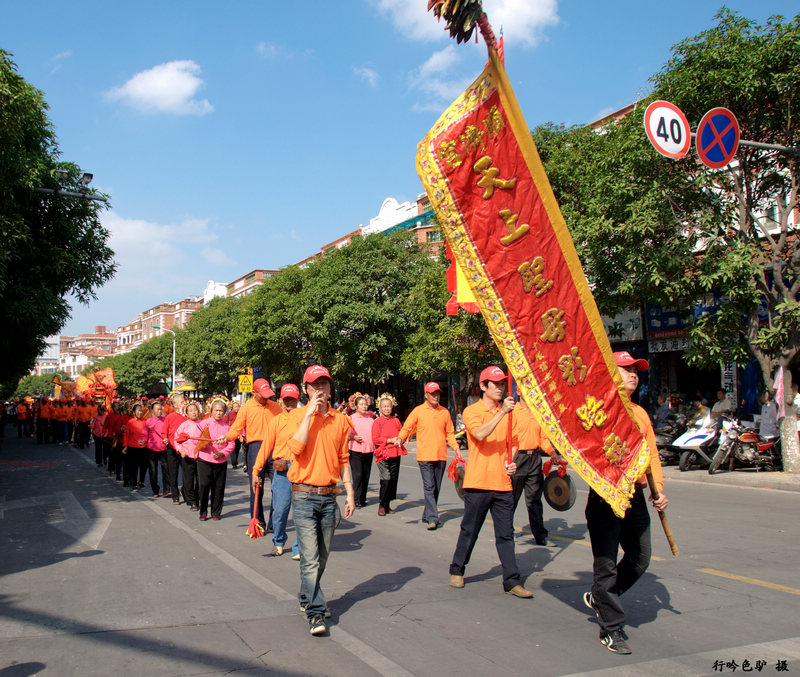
pixel 432 387
pixel 261 386
pixel 624 359
pixel 290 390
pixel 492 374
pixel 314 372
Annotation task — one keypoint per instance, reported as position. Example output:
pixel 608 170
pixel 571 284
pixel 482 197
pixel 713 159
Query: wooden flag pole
pixel 662 514
pixel 510 420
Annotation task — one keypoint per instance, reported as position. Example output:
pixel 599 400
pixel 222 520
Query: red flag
pixel 489 190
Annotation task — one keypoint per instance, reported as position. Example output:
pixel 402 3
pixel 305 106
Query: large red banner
pixel 488 187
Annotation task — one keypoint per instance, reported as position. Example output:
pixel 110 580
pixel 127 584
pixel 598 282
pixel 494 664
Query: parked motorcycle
pixel 670 430
pixel 696 447
pixel 745 446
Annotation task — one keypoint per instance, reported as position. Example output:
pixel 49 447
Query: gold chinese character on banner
pixel 489 180
pixel 450 155
pixel 472 137
pixel 615 449
pixel 591 413
pixel 515 232
pixel 494 121
pixel 531 272
pixel 553 323
pixel 572 367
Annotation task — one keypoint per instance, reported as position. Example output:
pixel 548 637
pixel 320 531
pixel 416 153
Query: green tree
pixel 51 246
pixel 142 369
pixel 274 327
pixel 208 348
pixel 653 229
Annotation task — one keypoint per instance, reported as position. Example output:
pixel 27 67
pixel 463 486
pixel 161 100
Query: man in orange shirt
pixel 320 457
pixel 253 419
pixel 487 482
pixel 435 432
pixel 529 477
pixel 83 414
pixel 608 532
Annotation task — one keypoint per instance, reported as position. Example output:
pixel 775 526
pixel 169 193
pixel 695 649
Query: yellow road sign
pixel 245 383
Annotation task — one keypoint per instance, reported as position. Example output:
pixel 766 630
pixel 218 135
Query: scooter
pixel 696 447
pixel 670 430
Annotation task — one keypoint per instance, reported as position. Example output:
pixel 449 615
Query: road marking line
pixel 752 581
pixel 361 650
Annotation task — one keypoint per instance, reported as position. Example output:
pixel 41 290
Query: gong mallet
pixel 662 514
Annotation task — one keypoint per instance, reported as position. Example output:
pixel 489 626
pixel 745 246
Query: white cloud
pixel 216 256
pixel 267 50
pixel 167 88
pixel 522 21
pixel 428 79
pixel 58 60
pixel 369 75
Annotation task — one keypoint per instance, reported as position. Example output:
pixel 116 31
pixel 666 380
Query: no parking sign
pixel 717 137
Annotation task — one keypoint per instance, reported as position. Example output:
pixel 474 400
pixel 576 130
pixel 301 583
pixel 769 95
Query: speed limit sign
pixel 668 129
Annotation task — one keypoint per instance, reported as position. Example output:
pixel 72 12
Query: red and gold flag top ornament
pixel 489 190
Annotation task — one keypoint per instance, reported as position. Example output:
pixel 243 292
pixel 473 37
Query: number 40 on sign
pixel 668 129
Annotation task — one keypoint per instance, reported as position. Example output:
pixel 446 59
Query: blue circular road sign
pixel 717 138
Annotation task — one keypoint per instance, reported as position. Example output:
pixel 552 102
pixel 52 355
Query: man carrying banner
pixel 487 481
pixel 632 532
pixel 435 432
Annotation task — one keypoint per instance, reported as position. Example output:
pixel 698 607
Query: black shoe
pixel 316 625
pixel 546 542
pixel 615 641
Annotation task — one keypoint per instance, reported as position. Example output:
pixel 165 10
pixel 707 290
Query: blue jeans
pixel 432 473
pixel 314 522
pixel 281 502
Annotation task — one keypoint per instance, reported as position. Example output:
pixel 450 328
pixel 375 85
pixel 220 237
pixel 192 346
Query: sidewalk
pixel 738 478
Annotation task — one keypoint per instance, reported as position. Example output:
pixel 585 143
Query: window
pixel 250 278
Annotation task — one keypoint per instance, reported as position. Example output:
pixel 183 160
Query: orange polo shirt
pixel 83 413
pixel 253 418
pixel 485 468
pixel 529 432
pixel 47 411
pixel 275 439
pixel 320 460
pixel 434 432
pixel 643 419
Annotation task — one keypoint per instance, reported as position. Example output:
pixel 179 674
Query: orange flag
pixel 489 190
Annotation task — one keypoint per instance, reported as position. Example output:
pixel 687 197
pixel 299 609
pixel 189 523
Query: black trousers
pixel 529 478
pixel 130 466
pixel 211 482
pixel 82 434
pixel 173 465
pixel 235 453
pixel 608 533
pixel 389 470
pixel 156 459
pixel 42 426
pixel 114 455
pixel 189 469
pixel 98 450
pixel 360 467
pixel 477 504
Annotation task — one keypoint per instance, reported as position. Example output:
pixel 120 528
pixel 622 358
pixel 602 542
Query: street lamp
pixel 155 326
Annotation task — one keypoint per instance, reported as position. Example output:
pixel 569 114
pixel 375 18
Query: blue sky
pixel 242 136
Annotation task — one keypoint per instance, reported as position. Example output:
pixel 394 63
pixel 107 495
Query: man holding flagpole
pixel 632 532
pixel 487 481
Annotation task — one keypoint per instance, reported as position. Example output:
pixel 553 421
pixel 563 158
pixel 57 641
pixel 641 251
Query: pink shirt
pixel 362 426
pixel 192 429
pixel 97 424
pixel 154 429
pixel 215 430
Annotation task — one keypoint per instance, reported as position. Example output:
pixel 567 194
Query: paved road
pixel 99 581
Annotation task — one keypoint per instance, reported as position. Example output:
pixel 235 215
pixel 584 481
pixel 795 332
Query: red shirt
pixel 171 423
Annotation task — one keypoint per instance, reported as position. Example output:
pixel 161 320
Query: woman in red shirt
pixel 387 455
pixel 134 442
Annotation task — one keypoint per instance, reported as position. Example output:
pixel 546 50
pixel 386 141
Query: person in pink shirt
pixel 156 449
pixel 186 437
pixel 212 463
pixel 361 449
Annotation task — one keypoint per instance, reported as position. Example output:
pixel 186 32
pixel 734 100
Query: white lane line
pixel 355 646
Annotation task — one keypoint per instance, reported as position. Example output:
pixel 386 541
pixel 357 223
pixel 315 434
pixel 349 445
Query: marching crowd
pixel 308 451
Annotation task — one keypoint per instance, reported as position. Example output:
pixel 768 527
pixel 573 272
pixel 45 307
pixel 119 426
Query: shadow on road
pixel 377 585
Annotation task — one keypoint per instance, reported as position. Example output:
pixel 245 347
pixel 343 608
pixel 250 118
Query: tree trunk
pixel 790 445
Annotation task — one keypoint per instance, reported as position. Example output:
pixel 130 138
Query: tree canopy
pixel 51 246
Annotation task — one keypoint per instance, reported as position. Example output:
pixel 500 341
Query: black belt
pixel 529 452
